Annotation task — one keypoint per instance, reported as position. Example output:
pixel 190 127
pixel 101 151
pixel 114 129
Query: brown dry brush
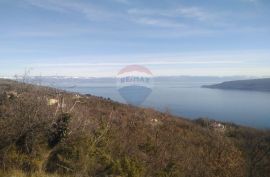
pixel 90 136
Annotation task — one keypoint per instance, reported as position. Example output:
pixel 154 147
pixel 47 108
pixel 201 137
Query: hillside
pixel 45 132
pixel 253 85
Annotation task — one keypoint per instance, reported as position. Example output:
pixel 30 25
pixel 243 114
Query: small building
pixel 77 96
pixel 217 126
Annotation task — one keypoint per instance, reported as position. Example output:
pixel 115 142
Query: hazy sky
pixel 170 37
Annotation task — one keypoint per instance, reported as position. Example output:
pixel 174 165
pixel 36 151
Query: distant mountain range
pixel 52 79
pixel 253 84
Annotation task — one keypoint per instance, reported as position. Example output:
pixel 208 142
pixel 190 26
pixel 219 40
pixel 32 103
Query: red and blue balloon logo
pixel 135 84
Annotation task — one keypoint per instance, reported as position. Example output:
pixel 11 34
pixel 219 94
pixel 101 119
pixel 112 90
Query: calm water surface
pixel 189 100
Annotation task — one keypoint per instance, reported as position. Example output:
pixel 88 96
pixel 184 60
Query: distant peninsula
pixel 253 85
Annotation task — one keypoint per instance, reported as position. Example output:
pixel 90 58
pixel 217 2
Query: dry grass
pixel 16 173
pixel 95 137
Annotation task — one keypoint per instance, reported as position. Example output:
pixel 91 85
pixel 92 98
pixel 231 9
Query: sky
pixel 96 38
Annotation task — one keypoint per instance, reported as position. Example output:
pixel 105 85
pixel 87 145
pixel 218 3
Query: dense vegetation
pixel 87 136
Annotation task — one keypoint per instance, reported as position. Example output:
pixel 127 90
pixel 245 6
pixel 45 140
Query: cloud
pixel 178 17
pixel 252 1
pixel 48 5
pixel 207 62
pixel 122 1
pixel 195 13
pixel 48 30
pixel 159 22
pixel 255 2
pixel 232 58
pixel 170 22
pixel 146 16
pixel 89 10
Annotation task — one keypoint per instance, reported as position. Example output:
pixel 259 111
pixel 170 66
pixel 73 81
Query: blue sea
pixel 189 100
